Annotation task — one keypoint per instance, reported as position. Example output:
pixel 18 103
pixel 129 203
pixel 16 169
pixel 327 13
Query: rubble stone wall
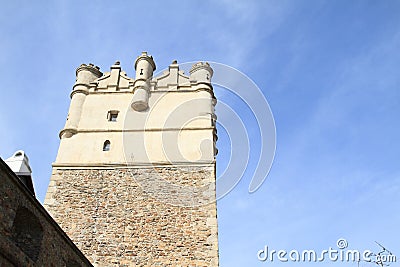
pixel 155 216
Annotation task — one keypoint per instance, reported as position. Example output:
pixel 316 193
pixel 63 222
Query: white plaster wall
pixel 176 128
pixel 193 146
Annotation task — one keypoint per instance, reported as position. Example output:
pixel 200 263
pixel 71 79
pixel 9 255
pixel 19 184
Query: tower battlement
pixel 112 106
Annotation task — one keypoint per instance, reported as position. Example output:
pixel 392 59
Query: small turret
pixel 144 66
pixel 85 74
pixel 201 72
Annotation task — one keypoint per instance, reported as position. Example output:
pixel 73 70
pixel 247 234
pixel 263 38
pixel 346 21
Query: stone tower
pixel 133 183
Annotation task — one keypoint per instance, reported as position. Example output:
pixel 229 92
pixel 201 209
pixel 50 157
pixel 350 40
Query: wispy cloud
pixel 243 25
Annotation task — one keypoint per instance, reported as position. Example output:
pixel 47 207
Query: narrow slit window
pixel 112 115
pixel 106 145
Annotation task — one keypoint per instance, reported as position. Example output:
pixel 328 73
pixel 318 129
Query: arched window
pixel 27 233
pixel 106 145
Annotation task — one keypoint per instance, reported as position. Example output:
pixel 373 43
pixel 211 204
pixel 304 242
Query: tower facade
pixel 133 183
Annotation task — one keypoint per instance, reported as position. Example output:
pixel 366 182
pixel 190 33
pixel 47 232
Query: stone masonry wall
pixel 138 217
pixel 28 235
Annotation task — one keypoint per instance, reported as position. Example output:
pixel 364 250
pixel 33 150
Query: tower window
pixel 106 145
pixel 112 115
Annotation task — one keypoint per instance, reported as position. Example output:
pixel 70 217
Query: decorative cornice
pixel 75 131
pixel 80 90
pixel 71 130
pixel 161 164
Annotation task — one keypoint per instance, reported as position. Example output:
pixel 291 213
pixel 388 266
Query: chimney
pixel 19 164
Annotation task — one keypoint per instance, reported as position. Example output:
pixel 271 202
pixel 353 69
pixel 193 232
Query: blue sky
pixel 329 70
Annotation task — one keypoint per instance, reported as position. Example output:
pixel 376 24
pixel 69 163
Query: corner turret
pixel 85 74
pixel 201 72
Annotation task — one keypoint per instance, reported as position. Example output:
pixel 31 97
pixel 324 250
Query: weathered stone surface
pixel 114 221
pixel 28 235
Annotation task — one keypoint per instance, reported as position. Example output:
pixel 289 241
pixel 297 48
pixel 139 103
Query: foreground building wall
pixel 28 235
pixel 134 179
